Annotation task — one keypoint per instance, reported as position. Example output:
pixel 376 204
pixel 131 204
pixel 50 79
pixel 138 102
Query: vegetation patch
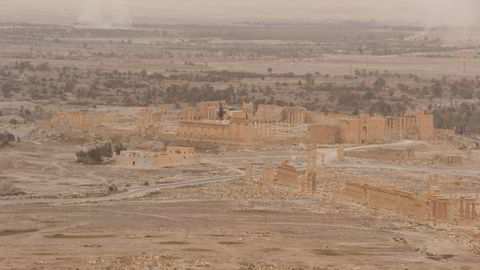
pixel 174 243
pixel 79 236
pixel 197 250
pixel 230 243
pixel 13 232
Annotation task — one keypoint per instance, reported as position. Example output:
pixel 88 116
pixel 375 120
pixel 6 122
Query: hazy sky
pixel 427 12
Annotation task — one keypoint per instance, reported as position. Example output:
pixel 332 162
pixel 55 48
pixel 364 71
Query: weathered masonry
pixel 173 156
pixel 365 129
pixel 236 130
pixel 436 208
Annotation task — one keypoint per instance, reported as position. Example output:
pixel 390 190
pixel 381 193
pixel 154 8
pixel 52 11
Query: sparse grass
pixel 270 250
pixel 197 250
pixel 230 243
pixel 220 235
pixel 257 211
pixel 154 236
pixel 8 189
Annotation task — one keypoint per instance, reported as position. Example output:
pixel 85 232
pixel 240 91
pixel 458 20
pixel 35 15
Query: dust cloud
pixel 106 14
pixel 121 13
pixel 430 13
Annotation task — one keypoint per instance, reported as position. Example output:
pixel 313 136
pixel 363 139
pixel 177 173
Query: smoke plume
pixel 106 14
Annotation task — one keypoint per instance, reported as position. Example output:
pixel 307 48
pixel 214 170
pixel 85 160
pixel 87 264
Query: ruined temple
pixel 215 122
pixel 235 130
pixel 416 126
pixel 208 110
pixel 365 129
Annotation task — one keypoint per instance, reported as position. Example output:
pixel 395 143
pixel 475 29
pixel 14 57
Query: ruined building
pixel 288 174
pixel 268 175
pixel 208 110
pixel 269 124
pixel 81 120
pixel 418 126
pixel 215 122
pixel 364 129
pixel 232 131
pixel 435 208
pixel 286 115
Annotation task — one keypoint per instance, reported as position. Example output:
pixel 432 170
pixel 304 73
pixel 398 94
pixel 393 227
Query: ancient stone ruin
pixel 424 208
pixel 217 122
pixel 173 156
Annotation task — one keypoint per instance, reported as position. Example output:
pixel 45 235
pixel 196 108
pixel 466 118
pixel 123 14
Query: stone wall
pixel 362 130
pixel 174 156
pixel 269 113
pixel 323 134
pixel 78 120
pixel 287 175
pixel 434 208
pixel 295 116
pixel 278 114
pixel 417 126
pixel 177 150
pixel 365 129
pixel 450 159
pixel 425 127
pixel 475 157
pixel 268 175
pixel 207 110
pixel 236 130
pixel 383 154
pixel 444 134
